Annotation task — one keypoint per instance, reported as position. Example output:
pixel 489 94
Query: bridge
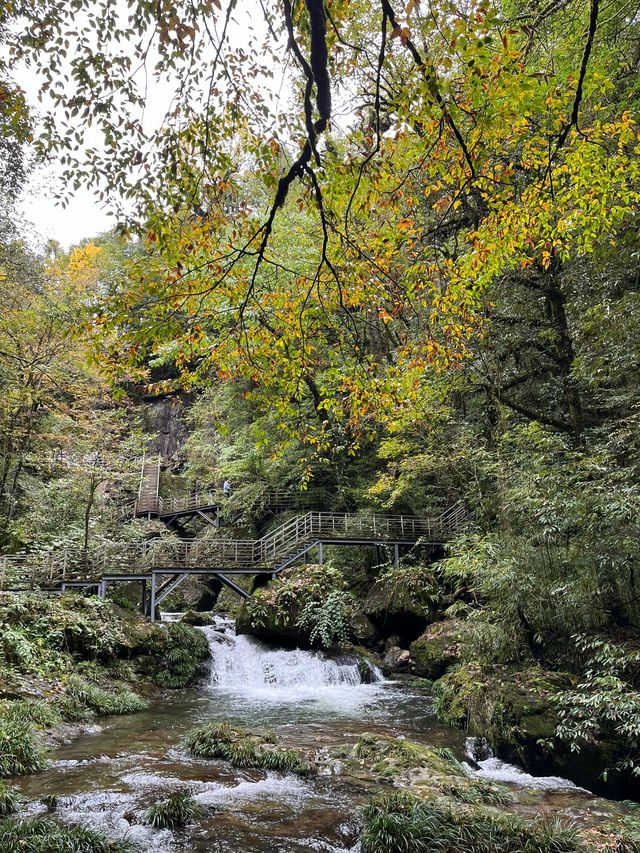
pixel 160 566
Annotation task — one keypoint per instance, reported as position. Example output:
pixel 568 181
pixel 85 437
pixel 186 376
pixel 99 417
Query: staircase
pixel 148 502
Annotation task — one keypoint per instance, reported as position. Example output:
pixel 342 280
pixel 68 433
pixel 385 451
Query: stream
pixel 107 777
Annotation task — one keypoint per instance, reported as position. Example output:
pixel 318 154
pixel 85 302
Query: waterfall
pixel 242 664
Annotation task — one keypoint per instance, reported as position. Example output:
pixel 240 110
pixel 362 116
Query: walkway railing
pixel 34 570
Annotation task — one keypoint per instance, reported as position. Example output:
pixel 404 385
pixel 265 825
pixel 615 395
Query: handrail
pixel 276 547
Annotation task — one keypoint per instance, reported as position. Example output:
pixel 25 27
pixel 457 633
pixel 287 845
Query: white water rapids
pixel 109 776
pixel 250 669
pixel 493 768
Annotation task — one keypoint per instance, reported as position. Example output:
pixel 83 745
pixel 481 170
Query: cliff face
pixel 164 419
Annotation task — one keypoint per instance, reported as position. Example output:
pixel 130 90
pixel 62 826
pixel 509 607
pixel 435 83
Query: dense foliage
pixel 417 285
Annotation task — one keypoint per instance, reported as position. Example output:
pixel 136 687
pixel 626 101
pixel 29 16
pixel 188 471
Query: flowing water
pixel 108 776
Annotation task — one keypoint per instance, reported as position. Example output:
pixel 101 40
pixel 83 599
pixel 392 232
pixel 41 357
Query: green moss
pixel 177 810
pixel 406 591
pixel 425 769
pixel 240 748
pixel 46 835
pixel 403 823
pixel 438 648
pixel 502 704
pixel 195 618
pixel 21 750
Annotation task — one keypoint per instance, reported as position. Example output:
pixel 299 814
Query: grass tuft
pixel 177 810
pixel 10 799
pixel 404 823
pixel 21 750
pixel 40 713
pixel 104 702
pixel 220 740
pixel 47 835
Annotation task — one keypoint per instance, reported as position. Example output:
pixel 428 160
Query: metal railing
pixel 167 506
pixel 33 570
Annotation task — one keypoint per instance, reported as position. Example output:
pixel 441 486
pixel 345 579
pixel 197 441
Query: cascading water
pixel 490 767
pixel 246 666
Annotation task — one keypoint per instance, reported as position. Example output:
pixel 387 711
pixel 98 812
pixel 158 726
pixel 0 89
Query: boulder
pixel 438 648
pixel 394 606
pixel 362 629
pixel 514 710
pixel 396 659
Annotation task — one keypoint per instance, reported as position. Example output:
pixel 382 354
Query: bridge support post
pixel 396 555
pixel 152 602
pixel 320 553
pixel 143 597
pixel 102 589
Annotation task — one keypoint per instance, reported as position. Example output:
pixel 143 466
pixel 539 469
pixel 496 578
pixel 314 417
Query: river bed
pixel 108 777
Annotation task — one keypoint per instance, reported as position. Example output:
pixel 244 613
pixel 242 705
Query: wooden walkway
pixel 152 561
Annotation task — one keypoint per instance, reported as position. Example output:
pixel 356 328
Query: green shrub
pixel 20 748
pixel 104 702
pixel 403 823
pixel 605 704
pixel 73 711
pixel 181 654
pixel 40 713
pixel 10 799
pixel 86 627
pixel 304 599
pixel 177 810
pixel 327 621
pixel 46 835
pixel 220 740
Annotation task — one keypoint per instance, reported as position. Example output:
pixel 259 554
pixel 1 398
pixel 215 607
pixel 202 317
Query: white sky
pixel 85 216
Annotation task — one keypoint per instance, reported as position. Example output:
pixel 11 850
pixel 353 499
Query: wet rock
pixel 362 629
pixel 397 659
pixel 396 608
pixel 197 619
pixel 438 648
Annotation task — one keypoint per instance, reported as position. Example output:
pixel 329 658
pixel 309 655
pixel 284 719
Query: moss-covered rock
pixel 515 711
pixel 502 704
pixel 274 611
pixel 438 648
pixel 403 601
pixel 362 628
pixel 197 619
pixel 425 770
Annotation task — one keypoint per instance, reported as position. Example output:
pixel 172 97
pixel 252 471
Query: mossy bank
pixel 67 660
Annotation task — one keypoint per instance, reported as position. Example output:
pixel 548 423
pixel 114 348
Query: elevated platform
pixel 164 565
